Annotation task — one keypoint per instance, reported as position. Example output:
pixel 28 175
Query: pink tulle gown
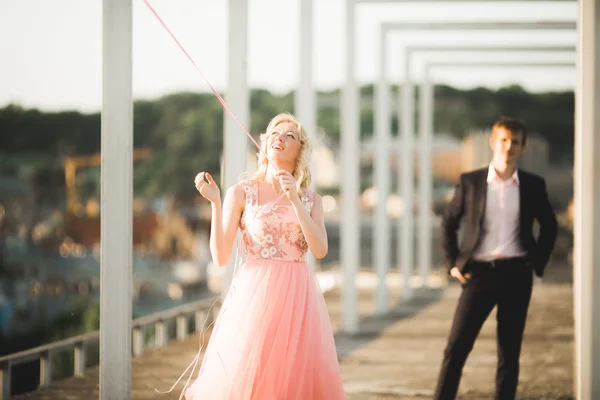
pixel 272 339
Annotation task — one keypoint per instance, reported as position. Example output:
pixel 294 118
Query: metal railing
pixel 181 314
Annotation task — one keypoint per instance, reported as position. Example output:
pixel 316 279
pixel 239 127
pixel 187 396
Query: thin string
pixel 257 213
pixel 217 95
pixel 223 103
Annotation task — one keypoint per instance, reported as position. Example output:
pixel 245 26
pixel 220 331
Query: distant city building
pixel 325 166
pixel 445 157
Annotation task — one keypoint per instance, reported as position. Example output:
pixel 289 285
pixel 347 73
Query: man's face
pixel 507 146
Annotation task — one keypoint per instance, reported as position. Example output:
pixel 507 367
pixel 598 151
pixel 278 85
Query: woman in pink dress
pixel 272 339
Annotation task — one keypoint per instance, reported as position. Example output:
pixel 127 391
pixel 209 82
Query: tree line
pixel 184 130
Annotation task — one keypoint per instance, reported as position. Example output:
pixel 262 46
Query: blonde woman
pixel 272 339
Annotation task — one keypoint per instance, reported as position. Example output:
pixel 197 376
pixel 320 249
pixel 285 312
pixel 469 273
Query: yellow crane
pixel 73 163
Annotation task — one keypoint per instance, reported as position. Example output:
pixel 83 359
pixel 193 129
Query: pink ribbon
pixel 258 212
pixel 223 103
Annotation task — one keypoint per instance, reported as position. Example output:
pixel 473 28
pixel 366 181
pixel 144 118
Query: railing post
pixel 79 360
pixel 200 318
pixel 215 312
pixel 45 369
pixel 138 341
pixel 161 332
pixel 182 328
pixel 203 317
pixel 5 390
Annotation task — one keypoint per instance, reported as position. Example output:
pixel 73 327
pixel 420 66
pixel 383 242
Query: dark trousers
pixel 507 284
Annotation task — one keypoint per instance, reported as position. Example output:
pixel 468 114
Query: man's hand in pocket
pixel 455 273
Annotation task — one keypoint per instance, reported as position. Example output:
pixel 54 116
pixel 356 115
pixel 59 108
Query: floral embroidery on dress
pixel 308 200
pixel 273 232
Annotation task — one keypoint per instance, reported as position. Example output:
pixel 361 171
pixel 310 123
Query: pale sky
pixel 50 50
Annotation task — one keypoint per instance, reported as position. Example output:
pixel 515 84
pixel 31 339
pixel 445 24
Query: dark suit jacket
pixel 469 203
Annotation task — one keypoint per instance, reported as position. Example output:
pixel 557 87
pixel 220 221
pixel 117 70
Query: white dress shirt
pixel 500 236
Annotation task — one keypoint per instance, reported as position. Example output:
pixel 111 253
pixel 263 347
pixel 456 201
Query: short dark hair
pixel 512 125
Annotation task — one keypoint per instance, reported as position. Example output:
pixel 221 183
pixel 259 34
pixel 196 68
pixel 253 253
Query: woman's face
pixel 283 143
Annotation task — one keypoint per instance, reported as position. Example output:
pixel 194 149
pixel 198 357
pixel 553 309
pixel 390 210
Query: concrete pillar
pixel 587 200
pixel 305 97
pixel 116 201
pixel 406 184
pixel 381 157
pixel 425 178
pixel 238 99
pixel 350 223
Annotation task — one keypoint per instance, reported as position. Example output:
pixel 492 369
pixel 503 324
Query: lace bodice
pixel 274 233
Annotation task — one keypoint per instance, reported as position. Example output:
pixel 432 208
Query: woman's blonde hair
pixel 301 173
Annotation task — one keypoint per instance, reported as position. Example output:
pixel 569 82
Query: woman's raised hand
pixel 207 187
pixel 288 184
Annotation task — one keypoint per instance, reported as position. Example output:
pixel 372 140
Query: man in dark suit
pixel 497 257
